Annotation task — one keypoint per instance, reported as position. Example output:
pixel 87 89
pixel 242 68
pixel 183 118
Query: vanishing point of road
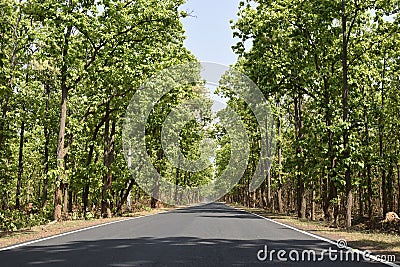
pixel 208 235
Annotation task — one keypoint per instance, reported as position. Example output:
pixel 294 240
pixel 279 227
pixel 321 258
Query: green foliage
pixel 296 56
pixel 14 220
pixel 97 51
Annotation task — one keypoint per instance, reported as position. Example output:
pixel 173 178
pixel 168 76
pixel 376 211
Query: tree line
pixel 67 72
pixel 331 70
pixel 68 69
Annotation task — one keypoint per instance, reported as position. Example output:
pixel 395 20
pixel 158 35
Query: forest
pixel 332 70
pixel 329 69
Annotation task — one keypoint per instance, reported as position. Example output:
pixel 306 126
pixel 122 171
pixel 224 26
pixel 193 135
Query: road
pixel 208 235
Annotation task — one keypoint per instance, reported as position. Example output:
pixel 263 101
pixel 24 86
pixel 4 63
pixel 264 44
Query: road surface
pixel 209 235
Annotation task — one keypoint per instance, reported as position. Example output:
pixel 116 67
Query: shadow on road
pixel 184 237
pixel 174 251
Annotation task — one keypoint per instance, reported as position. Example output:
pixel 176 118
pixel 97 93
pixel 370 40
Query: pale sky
pixel 209 33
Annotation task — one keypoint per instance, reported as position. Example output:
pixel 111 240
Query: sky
pixel 208 31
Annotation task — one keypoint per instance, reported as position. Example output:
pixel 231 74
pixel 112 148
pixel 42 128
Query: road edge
pixel 78 230
pixel 332 242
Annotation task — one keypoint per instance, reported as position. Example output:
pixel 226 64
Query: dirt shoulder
pixel 51 229
pixel 377 243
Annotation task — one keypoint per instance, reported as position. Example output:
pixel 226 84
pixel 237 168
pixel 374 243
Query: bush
pixel 89 216
pixel 14 220
pixel 147 209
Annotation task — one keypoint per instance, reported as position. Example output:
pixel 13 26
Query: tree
pixel 308 56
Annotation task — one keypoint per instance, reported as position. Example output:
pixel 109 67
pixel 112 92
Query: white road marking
pixel 363 253
pixel 75 231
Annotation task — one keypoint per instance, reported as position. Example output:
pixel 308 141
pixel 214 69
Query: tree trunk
pixel 389 190
pixel 398 188
pixel 263 195
pixel 156 189
pixel 185 178
pixel 385 179
pixel 126 194
pixel 20 166
pixel 86 187
pixel 61 151
pixel 279 192
pixel 346 156
pixel 65 201
pixel 370 192
pixel 269 196
pixel 253 199
pixel 384 193
pixel 46 148
pixel 4 119
pixel 360 195
pixel 70 200
pixel 177 181
pixel 312 200
pixel 329 186
pixel 279 200
pixel 301 197
pixel 109 140
pixel 368 161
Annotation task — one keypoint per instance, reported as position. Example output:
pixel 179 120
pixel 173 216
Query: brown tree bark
pixel 360 198
pixel 398 188
pixel 46 148
pixel 109 140
pixel 385 180
pixel 263 195
pixel 269 195
pixel 20 166
pixel 279 191
pixel 61 151
pixel 177 181
pixel 301 196
pixel 345 100
pixel 369 204
pixel 70 200
pixel 86 187
pixel 313 204
pixel 329 187
pixel 65 200
pixel 126 194
pixel 156 189
pixel 389 190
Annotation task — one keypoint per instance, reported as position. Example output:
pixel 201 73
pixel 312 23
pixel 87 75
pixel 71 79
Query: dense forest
pixel 332 70
pixel 67 72
pixel 68 69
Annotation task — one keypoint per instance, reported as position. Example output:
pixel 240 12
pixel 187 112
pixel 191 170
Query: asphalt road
pixel 209 235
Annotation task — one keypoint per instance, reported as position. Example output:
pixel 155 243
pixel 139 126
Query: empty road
pixel 209 235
